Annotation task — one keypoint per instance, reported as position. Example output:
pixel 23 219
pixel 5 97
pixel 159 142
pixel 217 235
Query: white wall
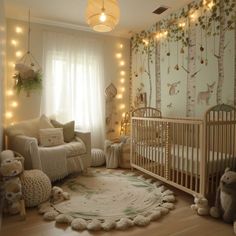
pixel 29 107
pixel 2 65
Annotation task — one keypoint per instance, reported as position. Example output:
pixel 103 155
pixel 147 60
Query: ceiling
pixel 135 14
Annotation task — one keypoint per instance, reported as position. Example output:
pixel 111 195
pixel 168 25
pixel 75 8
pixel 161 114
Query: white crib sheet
pixel 186 159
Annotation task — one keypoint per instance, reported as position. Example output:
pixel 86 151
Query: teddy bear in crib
pixel 200 205
pixel 225 203
pixel 58 195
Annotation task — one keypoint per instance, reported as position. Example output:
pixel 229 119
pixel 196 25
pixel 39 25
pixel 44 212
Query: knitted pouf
pixel 98 157
pixel 36 187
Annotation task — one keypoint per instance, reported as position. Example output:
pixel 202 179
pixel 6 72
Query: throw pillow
pixel 44 122
pixel 51 137
pixel 68 129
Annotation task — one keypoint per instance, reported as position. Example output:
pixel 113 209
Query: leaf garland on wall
pixel 212 17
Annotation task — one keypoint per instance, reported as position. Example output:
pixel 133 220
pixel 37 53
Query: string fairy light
pixel 18 30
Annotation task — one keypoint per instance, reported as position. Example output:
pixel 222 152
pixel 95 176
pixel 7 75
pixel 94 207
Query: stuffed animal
pixel 6 156
pixel 12 188
pixel 58 195
pixel 200 205
pixel 12 208
pixel 225 203
pixel 13 196
pixel 11 168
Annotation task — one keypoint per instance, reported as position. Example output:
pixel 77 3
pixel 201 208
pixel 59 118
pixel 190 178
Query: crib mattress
pixel 186 159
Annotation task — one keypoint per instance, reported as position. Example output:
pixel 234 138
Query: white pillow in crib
pixel 51 137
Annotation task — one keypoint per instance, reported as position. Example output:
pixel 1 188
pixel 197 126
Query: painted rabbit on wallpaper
pixel 173 88
pixel 205 96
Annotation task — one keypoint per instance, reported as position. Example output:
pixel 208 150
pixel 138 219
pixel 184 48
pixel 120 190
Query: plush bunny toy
pixel 225 204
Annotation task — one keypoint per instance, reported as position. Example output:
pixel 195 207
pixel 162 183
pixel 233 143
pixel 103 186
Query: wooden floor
pixel 179 222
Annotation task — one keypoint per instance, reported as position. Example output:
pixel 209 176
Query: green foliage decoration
pixel 208 20
pixel 28 84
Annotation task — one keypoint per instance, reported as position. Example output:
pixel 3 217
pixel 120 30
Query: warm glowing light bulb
pixel 145 42
pixel 103 17
pixel 14 104
pixel 121 45
pixel 19 30
pixel 123 114
pixel 182 24
pixel 11 64
pixel 119 96
pixel 9 92
pixel 14 42
pixel 210 5
pixel 118 55
pixel 122 80
pixel 165 33
pixel 123 89
pixel 122 106
pixel 122 73
pixel 8 115
pixel 122 63
pixel 18 54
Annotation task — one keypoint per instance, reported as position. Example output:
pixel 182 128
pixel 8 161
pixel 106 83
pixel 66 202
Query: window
pixel 74 82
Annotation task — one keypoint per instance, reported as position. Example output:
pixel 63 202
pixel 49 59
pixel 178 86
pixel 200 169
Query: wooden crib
pixel 190 154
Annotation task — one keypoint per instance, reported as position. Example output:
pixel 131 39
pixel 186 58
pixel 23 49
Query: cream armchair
pixel 56 161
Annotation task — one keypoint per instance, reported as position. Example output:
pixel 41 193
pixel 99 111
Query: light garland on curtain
pixel 102 15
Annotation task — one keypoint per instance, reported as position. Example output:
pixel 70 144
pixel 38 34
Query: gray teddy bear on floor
pixel 225 204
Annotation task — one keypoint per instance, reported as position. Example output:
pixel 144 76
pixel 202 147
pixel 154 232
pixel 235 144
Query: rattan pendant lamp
pixel 102 15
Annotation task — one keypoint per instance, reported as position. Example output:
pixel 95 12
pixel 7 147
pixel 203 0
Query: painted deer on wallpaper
pixel 173 88
pixel 205 96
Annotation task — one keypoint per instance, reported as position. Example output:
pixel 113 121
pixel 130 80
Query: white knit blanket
pixel 53 161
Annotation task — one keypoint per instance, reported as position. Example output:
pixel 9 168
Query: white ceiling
pixel 135 14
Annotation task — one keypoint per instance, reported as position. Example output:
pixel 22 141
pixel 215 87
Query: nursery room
pixel 118 117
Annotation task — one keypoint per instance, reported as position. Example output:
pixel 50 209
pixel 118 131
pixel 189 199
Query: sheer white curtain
pixel 74 82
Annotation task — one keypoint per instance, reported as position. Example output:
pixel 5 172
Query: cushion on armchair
pixel 68 129
pixel 29 127
pixel 51 137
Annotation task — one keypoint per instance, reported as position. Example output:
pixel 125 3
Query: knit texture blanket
pixel 53 161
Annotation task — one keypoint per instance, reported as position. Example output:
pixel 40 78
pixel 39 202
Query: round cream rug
pixel 111 199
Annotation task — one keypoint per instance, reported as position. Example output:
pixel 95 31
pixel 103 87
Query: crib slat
pixel 174 154
pixel 192 163
pixel 178 164
pixel 197 163
pixel 187 154
pixel 182 154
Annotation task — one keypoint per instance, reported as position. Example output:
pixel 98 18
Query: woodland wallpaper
pixel 186 63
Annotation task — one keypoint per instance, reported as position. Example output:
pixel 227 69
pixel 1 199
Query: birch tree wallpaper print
pixel 187 61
